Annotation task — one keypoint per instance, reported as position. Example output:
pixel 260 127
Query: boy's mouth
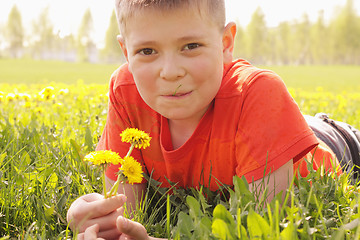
pixel 178 94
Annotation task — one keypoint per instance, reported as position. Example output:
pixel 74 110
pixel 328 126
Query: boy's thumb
pixel 132 229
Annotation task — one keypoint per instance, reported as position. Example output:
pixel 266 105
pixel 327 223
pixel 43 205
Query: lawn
pixel 49 119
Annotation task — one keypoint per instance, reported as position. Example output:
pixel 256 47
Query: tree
pixel 240 44
pixel 15 32
pixel 86 46
pixel 256 33
pixel 301 41
pixel 112 51
pixel 320 41
pixel 345 35
pixel 283 43
pixel 43 37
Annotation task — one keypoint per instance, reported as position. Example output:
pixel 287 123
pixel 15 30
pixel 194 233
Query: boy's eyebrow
pixel 144 43
pixel 191 37
pixel 181 39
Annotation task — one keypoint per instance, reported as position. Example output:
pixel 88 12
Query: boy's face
pixel 177 60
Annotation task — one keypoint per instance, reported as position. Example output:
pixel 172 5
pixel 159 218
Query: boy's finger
pixel 92 206
pixel 132 229
pixel 106 223
pixel 91 232
pixel 106 206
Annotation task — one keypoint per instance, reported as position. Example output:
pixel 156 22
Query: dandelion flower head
pixel 103 157
pixel 132 170
pixel 138 138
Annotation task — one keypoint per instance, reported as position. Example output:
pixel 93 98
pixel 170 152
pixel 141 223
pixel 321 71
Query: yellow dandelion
pixel 38 110
pixel 27 105
pixel 26 97
pixel 47 91
pixel 103 157
pixel 18 96
pixel 138 138
pixel 132 170
pixel 63 91
pixel 10 97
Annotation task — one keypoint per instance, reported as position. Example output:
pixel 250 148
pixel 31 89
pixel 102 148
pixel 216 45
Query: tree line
pixel 43 42
pixel 296 42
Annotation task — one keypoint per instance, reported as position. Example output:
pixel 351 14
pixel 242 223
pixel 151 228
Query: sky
pixel 66 15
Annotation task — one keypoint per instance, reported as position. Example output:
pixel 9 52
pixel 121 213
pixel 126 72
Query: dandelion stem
pixel 104 183
pixel 115 187
pixel 130 150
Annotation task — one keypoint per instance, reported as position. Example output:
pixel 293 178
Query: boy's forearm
pixel 278 181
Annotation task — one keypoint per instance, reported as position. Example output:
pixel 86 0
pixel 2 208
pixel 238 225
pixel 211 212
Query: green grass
pixel 27 71
pixel 331 78
pixel 41 169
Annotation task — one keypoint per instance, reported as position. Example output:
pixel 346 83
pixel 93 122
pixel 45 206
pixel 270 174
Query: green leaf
pixel 53 180
pixel 220 229
pixel 168 215
pixel 206 224
pixel 257 226
pixel 339 234
pixel 77 148
pixel 194 207
pixel 289 232
pixel 25 158
pixel 222 213
pixel 88 139
pixel 244 235
pixel 241 188
pixel 2 157
pixel 49 211
pixel 185 225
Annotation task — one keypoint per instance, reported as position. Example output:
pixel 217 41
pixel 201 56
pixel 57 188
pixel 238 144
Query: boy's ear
pixel 121 41
pixel 228 42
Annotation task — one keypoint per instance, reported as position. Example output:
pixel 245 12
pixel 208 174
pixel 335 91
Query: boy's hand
pixel 129 229
pixel 92 209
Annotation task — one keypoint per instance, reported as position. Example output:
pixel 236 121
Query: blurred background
pixel 277 32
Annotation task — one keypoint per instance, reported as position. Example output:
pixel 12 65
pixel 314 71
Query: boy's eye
pixel 147 51
pixel 191 46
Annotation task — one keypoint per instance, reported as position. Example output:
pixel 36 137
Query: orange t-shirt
pixel 253 122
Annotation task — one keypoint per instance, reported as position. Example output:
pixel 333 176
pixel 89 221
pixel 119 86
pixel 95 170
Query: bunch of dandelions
pixel 130 170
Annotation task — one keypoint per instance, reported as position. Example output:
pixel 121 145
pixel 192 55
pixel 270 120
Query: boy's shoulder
pixel 121 77
pixel 240 75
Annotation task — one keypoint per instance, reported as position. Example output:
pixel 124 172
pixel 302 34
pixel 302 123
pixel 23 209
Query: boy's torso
pixel 230 138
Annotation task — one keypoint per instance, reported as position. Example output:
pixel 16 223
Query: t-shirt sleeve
pixel 117 120
pixel 271 129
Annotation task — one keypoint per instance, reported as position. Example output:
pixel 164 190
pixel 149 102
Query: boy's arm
pixel 277 181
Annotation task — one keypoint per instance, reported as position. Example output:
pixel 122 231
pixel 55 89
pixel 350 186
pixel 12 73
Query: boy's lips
pixel 178 94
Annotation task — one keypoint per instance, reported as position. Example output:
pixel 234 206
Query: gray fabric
pixel 333 139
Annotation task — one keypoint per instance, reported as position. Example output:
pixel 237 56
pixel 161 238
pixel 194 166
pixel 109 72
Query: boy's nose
pixel 171 69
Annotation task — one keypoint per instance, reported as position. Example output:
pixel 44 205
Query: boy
pixel 209 117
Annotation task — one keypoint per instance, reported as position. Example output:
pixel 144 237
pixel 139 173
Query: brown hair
pixel 125 9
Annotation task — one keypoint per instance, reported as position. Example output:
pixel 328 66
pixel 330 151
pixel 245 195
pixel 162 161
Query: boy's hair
pixel 214 9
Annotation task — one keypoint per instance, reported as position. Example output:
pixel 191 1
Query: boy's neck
pixel 181 131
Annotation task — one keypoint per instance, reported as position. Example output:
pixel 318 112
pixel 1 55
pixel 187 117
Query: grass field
pixel 26 71
pixel 331 78
pixel 49 119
